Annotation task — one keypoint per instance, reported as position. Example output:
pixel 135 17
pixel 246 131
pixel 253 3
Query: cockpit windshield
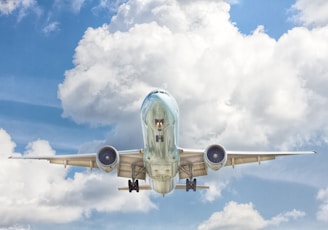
pixel 156 91
pixel 159 123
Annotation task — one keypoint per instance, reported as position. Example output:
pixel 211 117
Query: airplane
pixel 161 159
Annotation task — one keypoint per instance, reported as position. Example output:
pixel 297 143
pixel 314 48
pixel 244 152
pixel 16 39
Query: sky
pixel 247 74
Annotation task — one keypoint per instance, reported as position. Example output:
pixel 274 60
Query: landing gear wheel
pixel 130 186
pixel 191 184
pixel 187 185
pixel 133 185
pixel 136 184
pixel 194 184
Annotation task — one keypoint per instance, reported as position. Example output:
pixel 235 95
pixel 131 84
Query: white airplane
pixel 161 159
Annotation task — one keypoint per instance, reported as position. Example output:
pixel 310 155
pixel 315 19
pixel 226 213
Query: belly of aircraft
pixel 163 187
pixel 162 174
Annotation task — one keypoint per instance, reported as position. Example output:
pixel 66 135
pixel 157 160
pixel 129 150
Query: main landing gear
pixel 191 184
pixel 133 185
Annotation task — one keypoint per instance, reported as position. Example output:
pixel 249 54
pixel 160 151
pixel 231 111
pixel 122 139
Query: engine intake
pixel 107 158
pixel 215 157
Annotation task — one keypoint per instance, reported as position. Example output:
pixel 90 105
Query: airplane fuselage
pixel 160 117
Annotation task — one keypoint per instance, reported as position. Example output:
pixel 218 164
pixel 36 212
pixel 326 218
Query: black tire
pixel 137 185
pixel 187 185
pixel 130 186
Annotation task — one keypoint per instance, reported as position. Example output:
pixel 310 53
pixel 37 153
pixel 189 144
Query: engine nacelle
pixel 215 157
pixel 107 158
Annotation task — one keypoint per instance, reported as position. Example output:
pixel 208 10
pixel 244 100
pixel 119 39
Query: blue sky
pixel 249 75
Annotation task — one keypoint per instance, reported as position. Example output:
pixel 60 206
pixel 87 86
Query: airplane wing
pixel 243 157
pixel 192 159
pixel 129 160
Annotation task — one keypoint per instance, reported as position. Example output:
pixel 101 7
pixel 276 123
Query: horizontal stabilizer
pixel 141 187
pixel 183 186
pixel 178 186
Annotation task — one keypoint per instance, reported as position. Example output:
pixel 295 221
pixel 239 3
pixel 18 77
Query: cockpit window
pixel 159 91
pixel 159 123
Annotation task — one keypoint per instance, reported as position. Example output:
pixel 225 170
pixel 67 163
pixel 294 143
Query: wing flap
pixel 192 161
pixel 132 163
pixel 82 163
pixel 235 160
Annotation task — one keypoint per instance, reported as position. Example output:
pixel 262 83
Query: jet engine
pixel 215 157
pixel 107 158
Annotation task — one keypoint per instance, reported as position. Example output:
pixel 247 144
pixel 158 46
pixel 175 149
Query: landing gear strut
pixel 133 185
pixel 191 184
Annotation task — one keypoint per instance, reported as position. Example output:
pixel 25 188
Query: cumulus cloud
pixel 311 13
pixel 322 214
pixel 38 192
pixel 245 216
pixel 254 90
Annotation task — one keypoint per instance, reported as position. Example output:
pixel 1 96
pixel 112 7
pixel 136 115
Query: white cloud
pixel 74 6
pixel 235 216
pixel 8 6
pixel 17 227
pixel 77 5
pixel 254 90
pixel 245 216
pixel 108 5
pixel 285 217
pixel 51 27
pixel 38 192
pixel 322 214
pixel 225 176
pixel 22 6
pixel 311 13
